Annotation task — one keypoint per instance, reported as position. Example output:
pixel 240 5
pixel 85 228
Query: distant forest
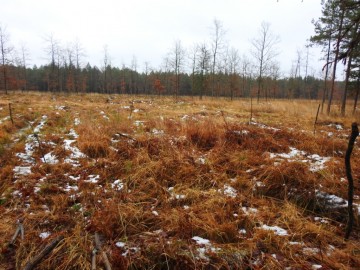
pixel 114 80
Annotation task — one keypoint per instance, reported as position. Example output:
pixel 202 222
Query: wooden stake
pixel 10 112
pixel 251 110
pixel 354 134
pixel 316 118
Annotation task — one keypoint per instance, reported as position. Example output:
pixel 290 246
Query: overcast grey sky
pixel 149 28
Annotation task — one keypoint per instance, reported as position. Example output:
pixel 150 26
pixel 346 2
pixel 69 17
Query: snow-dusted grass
pixel 187 184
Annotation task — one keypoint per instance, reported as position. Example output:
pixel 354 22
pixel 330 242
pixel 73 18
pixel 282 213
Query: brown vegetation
pixel 175 184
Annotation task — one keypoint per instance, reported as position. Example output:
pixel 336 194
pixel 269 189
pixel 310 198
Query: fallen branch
pixel 37 259
pixel 354 134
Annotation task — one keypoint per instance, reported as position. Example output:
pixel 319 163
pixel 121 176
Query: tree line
pixel 337 32
pixel 210 68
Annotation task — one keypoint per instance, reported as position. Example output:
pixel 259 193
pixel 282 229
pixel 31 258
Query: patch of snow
pixel 117 185
pixel 201 241
pixel 69 188
pixel 157 131
pixel 22 170
pixel 131 250
pixel 200 160
pixel 315 161
pixel 44 235
pixel 93 179
pixel 73 133
pixel 4 119
pixel 229 191
pixel 17 193
pixel 316 266
pixel 277 230
pixel 75 152
pixel 75 178
pixel 77 121
pixel 332 201
pixel 41 124
pixel 50 159
pixel 120 244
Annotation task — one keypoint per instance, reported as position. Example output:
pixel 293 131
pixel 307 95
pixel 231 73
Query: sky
pixel 148 29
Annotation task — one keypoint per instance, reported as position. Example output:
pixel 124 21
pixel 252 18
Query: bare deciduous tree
pixel 217 46
pixel 203 60
pixel 177 61
pixel 264 52
pixel 6 50
pixel 234 62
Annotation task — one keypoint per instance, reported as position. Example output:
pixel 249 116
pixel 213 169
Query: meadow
pixel 175 184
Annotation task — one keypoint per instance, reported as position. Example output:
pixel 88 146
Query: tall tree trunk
pixel 357 93
pixel 348 70
pixel 335 61
pixel 325 93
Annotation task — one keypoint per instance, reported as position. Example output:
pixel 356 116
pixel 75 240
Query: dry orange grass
pixel 157 174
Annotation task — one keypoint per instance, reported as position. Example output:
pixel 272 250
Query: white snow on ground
pixel 22 170
pixel 157 131
pixel 4 119
pixel 277 230
pixel 316 162
pixel 77 121
pixel 200 160
pixel 50 159
pixel 175 196
pixel 60 107
pixel 104 115
pixel 263 126
pixel 333 201
pixel 117 185
pixel 69 188
pixel 73 133
pixel 41 124
pixel 336 126
pixel 26 158
pixel 228 191
pixel 44 235
pixel 120 244
pixel 241 132
pixel 93 179
pixel 205 247
pixel 75 152
pixel 201 241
